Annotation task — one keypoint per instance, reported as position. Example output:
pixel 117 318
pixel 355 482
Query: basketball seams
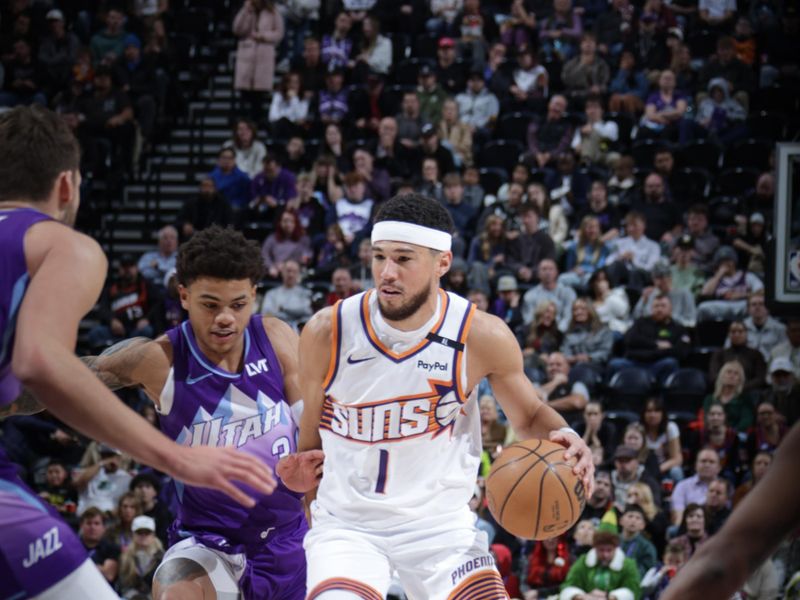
pixel 539 459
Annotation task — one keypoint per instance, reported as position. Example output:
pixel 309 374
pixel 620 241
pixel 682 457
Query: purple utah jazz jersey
pixel 248 411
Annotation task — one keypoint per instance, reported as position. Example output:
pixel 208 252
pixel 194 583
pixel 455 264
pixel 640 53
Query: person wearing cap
pixel 633 542
pixel 684 310
pixel 431 147
pixel 685 274
pixel 478 107
pixel 139 561
pixel 628 470
pixel 108 44
pixel 736 348
pixel 604 572
pixel 727 289
pixel 392 344
pixel 431 95
pixel 450 73
pixel 784 390
pixel 507 304
pixel 752 245
pixel 58 51
pixel 147 487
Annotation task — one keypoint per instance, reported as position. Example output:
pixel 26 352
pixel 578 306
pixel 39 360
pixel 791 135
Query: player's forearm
pixel 539 424
pixel 114 366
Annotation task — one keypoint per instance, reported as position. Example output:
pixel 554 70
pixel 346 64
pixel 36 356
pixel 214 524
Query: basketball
pixel 532 491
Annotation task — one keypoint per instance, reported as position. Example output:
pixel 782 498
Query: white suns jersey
pixel 401 439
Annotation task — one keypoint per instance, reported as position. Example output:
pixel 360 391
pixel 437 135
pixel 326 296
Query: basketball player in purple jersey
pixel 225 377
pixel 50 276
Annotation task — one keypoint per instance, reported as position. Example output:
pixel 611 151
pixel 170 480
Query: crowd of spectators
pixel 563 138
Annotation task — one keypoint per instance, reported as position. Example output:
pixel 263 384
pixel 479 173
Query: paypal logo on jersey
pixel 256 368
pixel 434 366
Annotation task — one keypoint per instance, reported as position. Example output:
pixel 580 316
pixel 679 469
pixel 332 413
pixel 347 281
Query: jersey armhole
pixel 336 335
pixel 167 396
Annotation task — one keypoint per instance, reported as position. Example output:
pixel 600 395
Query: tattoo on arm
pixel 25 404
pixel 116 364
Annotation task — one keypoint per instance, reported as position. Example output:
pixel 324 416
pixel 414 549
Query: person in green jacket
pixel 633 543
pixel 604 572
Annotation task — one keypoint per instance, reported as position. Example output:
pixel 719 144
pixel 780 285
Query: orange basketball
pixel 532 491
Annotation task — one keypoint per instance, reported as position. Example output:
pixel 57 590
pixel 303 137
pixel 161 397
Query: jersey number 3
pixel 383 464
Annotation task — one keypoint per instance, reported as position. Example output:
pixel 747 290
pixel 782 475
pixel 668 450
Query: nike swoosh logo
pixel 193 380
pixel 355 361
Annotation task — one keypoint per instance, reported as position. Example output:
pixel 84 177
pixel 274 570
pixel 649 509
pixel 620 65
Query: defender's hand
pixel 576 447
pixel 218 468
pixel 301 472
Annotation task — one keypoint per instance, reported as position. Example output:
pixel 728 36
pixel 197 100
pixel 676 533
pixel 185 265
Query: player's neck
pixel 418 319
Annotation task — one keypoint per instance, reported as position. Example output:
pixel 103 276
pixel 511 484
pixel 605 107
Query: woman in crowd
pixel 729 391
pixel 542 338
pixel 333 253
pixel 663 437
pixel 333 145
pixel 487 252
pixel 664 112
pixel 611 304
pixel 309 207
pixel 288 242
pixel 758 468
pixel 288 111
pixel 587 340
pixel 455 135
pixel 598 433
pixel 250 152
pixel 768 431
pixel 129 507
pixel 585 255
pixel 552 219
pixel 635 438
pixel 714 431
pixel 493 433
pixel 138 563
pixel 694 526
pixel 657 520
pixel 548 565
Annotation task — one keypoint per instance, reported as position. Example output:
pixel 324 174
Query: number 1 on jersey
pixel 383 463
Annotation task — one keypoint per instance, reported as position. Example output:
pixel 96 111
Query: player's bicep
pixel 285 342
pixel 315 356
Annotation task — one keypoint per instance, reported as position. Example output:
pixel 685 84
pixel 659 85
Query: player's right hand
pixel 218 468
pixel 301 472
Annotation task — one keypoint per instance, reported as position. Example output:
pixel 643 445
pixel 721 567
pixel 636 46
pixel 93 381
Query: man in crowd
pixel 718 500
pixel 684 310
pixel 208 208
pixel 784 390
pixel 103 553
pixel 565 397
pixel 791 347
pixel 101 484
pixel 553 136
pixel 154 265
pixel 548 288
pixel 694 489
pixel 634 255
pixel 662 216
pixel 764 332
pixel 728 288
pixel 531 247
pixel 290 301
pixel 602 498
pixel 627 471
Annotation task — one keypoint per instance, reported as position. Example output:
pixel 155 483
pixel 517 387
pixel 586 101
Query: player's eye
pixel 239 306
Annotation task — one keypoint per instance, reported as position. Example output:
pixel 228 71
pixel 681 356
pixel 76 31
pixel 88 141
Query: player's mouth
pixel 223 336
pixel 390 292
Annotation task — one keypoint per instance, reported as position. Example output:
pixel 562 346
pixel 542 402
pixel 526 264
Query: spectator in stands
pixel 431 147
pixel 449 72
pixel 685 275
pixel 333 145
pixel 720 117
pixel 656 580
pixel 759 467
pixel 250 151
pixel 531 246
pixel 372 104
pixel 311 68
pixel 101 482
pixel 704 242
pixel 361 272
pixel 634 437
pixel 568 185
pixel 332 103
pixel 353 212
pixel 693 522
pixel 592 141
pixel 729 391
pixel 333 252
pixel 376 179
pixel 473 191
pixel 480 299
pixel 137 76
pixel 663 217
pixel 587 73
pixel 606 214
pixel 664 112
pixel 155 265
pixel 296 159
pixel 628 87
pixel 634 255
pixel 138 563
pixel 454 134
pixel 128 508
pixel 208 208
pixel 389 153
pixel 409 120
pixel 107 44
pixel 727 289
pixel 519 174
pixel 541 337
pixel 288 111
pixel 125 306
pixel 343 286
pixel 560 32
pixel 552 217
pixel 103 553
pixel 493 433
pixel 718 504
pixel 633 543
pixel 656 343
pixel 602 499
pixel 431 95
pixel 288 242
pixel 621 184
pixel 290 302
pixel 230 181
pixel 663 438
pixel 59 491
pixel 585 254
pixel 569 399
pixel 693 490
pixel 783 391
pixel 530 83
pixel 147 486
pixel 684 310
pixel 259 27
pixel 768 430
pixel 429 181
pixel 337 47
pixel 507 304
pixel 726 65
pixel 791 347
pixel 272 188
pixel 520 28
pixel 736 348
pixel 487 252
pixel 657 521
pixel 58 51
pixel 604 571
pixel 477 106
pixel 376 49
pixel 549 289
pixel 548 564
pixel 752 244
pixel 464 215
pixel 714 432
pixel 587 340
pixel 552 137
pixel 598 432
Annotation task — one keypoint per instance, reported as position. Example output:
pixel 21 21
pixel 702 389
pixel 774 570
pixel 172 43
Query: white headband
pixel 400 231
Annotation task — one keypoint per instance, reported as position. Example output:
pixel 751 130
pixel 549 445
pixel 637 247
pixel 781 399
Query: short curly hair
pixel 219 253
pixel 417 209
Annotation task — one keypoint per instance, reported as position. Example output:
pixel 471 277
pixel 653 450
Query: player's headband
pixel 400 231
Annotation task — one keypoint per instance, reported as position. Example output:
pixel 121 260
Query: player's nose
pixel 389 271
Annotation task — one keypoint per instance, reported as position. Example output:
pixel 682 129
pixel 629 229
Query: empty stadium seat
pixel 492 178
pixel 701 153
pixel 736 182
pixel 684 391
pixel 628 389
pixel 514 126
pixel 501 153
pixel 748 153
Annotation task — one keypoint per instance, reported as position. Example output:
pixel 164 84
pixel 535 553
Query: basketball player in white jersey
pixel 386 379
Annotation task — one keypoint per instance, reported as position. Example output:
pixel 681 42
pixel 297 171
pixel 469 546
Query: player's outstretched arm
pixel 44 360
pixel 769 513
pixel 117 367
pixel 301 472
pixel 495 353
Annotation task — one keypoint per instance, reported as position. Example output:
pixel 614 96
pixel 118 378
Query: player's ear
pixel 183 291
pixel 65 187
pixel 444 262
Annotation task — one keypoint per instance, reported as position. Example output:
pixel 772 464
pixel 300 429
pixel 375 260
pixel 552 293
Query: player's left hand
pixel 576 447
pixel 301 472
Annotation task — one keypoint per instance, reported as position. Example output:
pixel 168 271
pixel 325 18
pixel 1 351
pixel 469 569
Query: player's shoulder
pixel 320 326
pixel 52 238
pixel 487 328
pixel 280 334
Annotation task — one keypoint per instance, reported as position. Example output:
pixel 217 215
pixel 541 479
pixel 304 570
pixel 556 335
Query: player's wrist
pixel 569 430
